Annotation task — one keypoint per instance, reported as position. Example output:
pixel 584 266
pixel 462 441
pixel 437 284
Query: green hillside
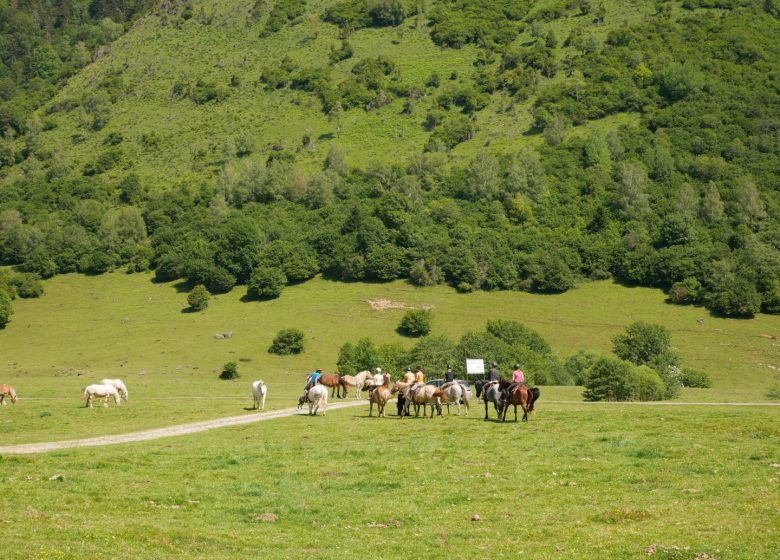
pixel 490 145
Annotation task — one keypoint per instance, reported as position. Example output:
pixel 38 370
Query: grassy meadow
pixel 577 481
pixel 82 330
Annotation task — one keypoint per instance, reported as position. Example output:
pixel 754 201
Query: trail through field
pixel 157 433
pixel 195 427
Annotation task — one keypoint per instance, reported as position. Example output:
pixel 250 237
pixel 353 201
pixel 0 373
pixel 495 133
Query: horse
pixel 317 396
pixel 101 392
pixel 358 381
pixel 490 392
pixel 380 395
pixel 259 391
pixel 335 382
pixel 456 393
pixel 520 395
pixel 7 391
pixel 417 395
pixel 120 387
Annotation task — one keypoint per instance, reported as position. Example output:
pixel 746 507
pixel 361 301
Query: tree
pixel 5 308
pixel 416 322
pixel 433 353
pixel 609 380
pixel 632 201
pixel 734 297
pixel 229 371
pixel 642 343
pixel 266 282
pixel 198 298
pixel 354 358
pixel 288 341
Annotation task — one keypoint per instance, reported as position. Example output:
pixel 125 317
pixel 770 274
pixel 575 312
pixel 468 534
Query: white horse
pixel 357 381
pixel 455 392
pixel 259 391
pixel 119 385
pixel 101 392
pixel 317 397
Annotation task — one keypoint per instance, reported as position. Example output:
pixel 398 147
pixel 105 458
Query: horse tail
pixel 464 397
pixel 533 393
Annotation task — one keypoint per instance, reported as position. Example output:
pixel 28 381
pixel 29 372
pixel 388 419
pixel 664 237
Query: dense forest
pixel 650 153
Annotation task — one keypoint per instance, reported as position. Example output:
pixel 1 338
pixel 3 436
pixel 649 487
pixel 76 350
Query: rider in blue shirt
pixel 311 381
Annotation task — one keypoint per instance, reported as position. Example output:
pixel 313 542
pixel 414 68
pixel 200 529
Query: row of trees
pixel 643 366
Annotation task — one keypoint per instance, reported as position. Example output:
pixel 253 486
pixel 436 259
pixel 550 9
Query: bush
pixel 416 322
pixel 198 298
pixel 642 343
pixel 266 282
pixel 229 371
pixel 433 353
pixel 287 341
pixel 354 358
pixel 578 365
pixel 695 378
pixel 647 385
pixel 773 393
pixel 610 379
pixel 5 308
pixel 27 285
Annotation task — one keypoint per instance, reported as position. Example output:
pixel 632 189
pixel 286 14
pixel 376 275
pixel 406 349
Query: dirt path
pixel 195 427
pixel 178 430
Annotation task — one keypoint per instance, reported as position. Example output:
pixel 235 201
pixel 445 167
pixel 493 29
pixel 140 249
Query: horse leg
pixel 263 402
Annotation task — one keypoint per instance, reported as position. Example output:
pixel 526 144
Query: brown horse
pixel 418 394
pixel 335 382
pixel 380 395
pixel 520 395
pixel 7 391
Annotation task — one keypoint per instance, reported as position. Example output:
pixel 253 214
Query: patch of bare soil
pixel 382 304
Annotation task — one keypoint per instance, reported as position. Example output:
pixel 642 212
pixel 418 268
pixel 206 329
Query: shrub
pixel 27 285
pixel 642 343
pixel 416 322
pixel 695 378
pixel 358 357
pixel 229 371
pixel 610 379
pixel 198 298
pixel 433 353
pixel 266 282
pixel 578 365
pixel 647 385
pixel 287 341
pixel 734 297
pixel 773 393
pixel 5 308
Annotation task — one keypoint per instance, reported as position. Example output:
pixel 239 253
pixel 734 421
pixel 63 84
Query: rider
pixel 379 379
pixel 312 380
pixel 408 375
pixel 518 378
pixel 449 375
pixel 419 377
pixel 494 374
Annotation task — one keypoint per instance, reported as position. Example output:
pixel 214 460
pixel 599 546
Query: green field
pixel 577 481
pixel 82 330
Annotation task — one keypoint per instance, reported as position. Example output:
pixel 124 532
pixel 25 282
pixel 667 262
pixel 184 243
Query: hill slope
pixel 498 145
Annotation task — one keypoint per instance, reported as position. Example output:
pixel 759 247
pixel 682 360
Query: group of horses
pixel 504 394
pixel 114 388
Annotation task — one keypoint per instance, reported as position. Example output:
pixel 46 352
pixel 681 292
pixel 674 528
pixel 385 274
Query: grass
pixel 152 57
pixel 80 331
pixel 576 482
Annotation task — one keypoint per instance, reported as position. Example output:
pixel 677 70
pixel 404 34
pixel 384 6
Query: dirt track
pixel 194 427
pixel 157 433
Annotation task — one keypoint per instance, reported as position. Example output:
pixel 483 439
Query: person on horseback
pixel 419 377
pixel 494 374
pixel 378 381
pixel 311 381
pixel 449 375
pixel 518 378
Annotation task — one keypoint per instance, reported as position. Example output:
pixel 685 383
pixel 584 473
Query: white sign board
pixel 475 367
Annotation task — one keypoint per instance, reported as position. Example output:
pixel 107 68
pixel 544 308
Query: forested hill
pixel 489 144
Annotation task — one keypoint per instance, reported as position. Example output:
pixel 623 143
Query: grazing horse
pixel 317 397
pixel 259 391
pixel 456 393
pixel 490 393
pixel 335 382
pixel 101 392
pixel 120 387
pixel 7 391
pixel 380 395
pixel 358 381
pixel 520 395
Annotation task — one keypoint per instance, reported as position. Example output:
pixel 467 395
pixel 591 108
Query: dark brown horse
pixel 335 382
pixel 520 395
